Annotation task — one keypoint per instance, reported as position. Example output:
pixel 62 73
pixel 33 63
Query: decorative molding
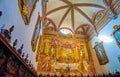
pixel 36 34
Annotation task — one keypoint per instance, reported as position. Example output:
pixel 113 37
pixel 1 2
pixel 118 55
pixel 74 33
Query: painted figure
pixel 101 53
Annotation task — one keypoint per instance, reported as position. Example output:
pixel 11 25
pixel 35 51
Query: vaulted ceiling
pixel 77 16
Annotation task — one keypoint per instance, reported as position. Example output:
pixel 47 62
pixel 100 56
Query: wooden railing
pixel 11 64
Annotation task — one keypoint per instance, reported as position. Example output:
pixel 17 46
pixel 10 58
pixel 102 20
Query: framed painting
pixel 116 34
pixel 36 34
pixel 100 52
pixel 26 8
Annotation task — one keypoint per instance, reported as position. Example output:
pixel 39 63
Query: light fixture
pixel 105 38
pixel 65 31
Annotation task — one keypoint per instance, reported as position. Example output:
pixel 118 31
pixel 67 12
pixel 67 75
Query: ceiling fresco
pixel 77 16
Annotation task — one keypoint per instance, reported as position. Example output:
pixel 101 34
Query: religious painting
pixel 26 8
pixel 36 34
pixel 100 52
pixel 116 34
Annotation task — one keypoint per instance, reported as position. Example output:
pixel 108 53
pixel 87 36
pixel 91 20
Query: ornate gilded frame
pixel 36 33
pixel 26 8
pixel 98 16
pixel 100 52
pixel 116 34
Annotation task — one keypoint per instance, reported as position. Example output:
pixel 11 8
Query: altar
pixel 57 55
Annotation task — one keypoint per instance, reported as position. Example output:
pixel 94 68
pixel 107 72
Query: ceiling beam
pixel 46 25
pixel 108 2
pixel 81 12
pixel 62 19
pixel 67 2
pixel 72 18
pixel 82 26
pixel 56 9
pixel 51 22
pixel 83 30
pixel 87 28
pixel 89 5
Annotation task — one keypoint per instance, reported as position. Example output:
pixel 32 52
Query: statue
pixel 23 54
pixel 76 54
pixel 29 63
pixel 14 44
pixel 58 49
pixel 47 47
pixel 80 67
pixel 7 33
pixel 20 49
pixel 88 67
pixel 26 59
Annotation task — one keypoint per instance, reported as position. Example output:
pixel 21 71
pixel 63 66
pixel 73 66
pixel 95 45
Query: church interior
pixel 60 38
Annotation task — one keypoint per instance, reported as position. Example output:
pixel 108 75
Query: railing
pixel 11 64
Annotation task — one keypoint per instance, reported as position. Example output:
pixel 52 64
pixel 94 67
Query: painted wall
pixel 11 16
pixel 111 48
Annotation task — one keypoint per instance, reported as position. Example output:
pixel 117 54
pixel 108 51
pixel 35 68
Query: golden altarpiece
pixel 63 54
